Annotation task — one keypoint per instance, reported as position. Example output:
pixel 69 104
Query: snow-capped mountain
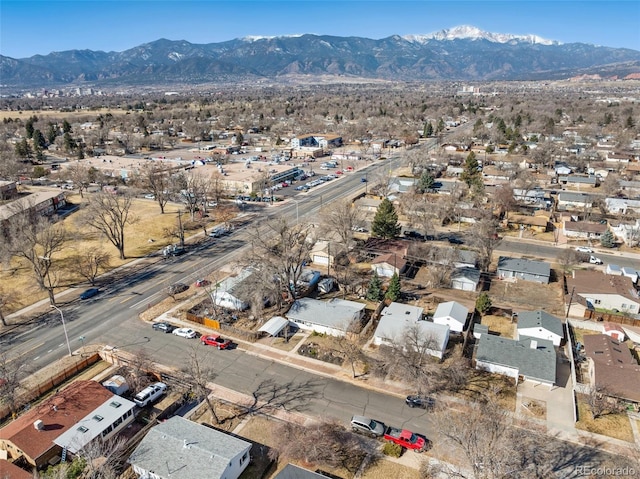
pixel 462 53
pixel 468 32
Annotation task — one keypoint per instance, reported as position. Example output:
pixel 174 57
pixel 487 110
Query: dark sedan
pixel 166 327
pixel 89 293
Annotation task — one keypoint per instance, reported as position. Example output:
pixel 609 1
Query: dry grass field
pixel 70 116
pixel 527 296
pixel 612 425
pixel 17 279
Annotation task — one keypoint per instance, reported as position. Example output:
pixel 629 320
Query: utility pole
pixel 569 306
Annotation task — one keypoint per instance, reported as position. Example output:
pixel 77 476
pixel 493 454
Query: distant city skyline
pixel 40 27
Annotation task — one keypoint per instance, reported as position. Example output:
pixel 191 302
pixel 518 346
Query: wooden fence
pixel 611 317
pixel 231 330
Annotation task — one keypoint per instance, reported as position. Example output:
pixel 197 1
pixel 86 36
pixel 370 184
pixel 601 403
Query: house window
pixel 597 301
pixel 624 306
pixel 244 458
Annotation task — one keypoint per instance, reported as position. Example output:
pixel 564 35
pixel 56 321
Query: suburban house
pixel 182 448
pixel 579 181
pixel 388 256
pixel 465 279
pixel 621 206
pixel 611 366
pixel 539 224
pixel 540 324
pixel 598 291
pixel 629 232
pixel 526 269
pixel 583 229
pixel 228 293
pixel 334 317
pixel 64 423
pixel 528 358
pixel 398 318
pixel 8 470
pixel 568 200
pixel 533 196
pixel 451 314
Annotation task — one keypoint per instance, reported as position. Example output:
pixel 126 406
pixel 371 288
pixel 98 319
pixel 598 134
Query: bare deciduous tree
pixel 155 177
pixel 339 220
pixel 484 237
pixel 78 173
pixel 325 444
pixel 199 372
pixel 89 263
pixel 37 240
pixel 12 370
pixel 110 213
pixel 601 401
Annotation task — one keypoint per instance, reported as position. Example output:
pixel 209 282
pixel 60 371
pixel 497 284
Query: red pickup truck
pixel 406 439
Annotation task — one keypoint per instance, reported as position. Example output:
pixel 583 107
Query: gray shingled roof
pixel 335 313
pixel 521 265
pixel 291 471
pixel 537 364
pixel 540 319
pixel 206 455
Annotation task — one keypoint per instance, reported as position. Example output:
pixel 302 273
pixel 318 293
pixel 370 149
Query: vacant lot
pixel 145 236
pixel 527 296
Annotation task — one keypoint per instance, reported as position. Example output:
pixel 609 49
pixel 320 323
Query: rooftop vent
pixel 39 425
pixel 534 344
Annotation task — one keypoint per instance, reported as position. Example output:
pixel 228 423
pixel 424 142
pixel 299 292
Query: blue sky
pixel 40 27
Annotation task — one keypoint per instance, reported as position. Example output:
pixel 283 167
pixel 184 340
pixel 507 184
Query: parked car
pixel 594 260
pixel 422 402
pixel 215 340
pixel 89 293
pixel 366 425
pixel 162 326
pixel 359 229
pixel 150 394
pixel 178 288
pixel 583 249
pixel 406 439
pixel 150 196
pixel 185 333
pixel 363 180
pixel 414 235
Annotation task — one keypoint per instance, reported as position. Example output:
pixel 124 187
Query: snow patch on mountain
pixel 469 32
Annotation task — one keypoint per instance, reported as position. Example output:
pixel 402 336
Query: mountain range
pixel 462 53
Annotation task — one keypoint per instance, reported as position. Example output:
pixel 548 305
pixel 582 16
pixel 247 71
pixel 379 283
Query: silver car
pixel 366 425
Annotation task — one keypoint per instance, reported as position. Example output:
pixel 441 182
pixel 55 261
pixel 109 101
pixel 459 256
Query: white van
pixel 150 394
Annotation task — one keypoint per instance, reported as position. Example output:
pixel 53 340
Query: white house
pixel 451 314
pixel 334 317
pixel 226 293
pixel 398 319
pixel 182 448
pixel 539 324
pixel 627 232
pixel 529 358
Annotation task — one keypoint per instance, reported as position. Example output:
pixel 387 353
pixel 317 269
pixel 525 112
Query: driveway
pixel 558 399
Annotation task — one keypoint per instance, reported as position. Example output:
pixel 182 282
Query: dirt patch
pixel 527 296
pixel 617 426
pixel 500 325
pixel 384 469
pixel 534 408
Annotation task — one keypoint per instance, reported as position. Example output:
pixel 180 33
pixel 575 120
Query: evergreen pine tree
pixel 471 174
pixel 607 239
pixel 426 182
pixel 483 303
pixel 393 292
pixel 428 130
pixel 385 222
pixel 374 292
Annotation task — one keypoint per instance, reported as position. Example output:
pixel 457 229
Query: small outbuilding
pixel 540 324
pixel 451 314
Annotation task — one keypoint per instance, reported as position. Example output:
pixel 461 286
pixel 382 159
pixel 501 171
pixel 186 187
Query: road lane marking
pixel 126 299
pixel 36 358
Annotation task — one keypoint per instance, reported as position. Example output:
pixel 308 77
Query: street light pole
pixel 64 327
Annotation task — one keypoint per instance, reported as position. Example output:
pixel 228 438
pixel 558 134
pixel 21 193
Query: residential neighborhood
pixel 226 288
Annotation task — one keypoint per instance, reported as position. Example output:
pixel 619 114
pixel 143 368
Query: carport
pixel 274 326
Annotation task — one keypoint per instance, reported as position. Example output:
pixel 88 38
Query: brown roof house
pixel 611 366
pixel 583 229
pixel 598 291
pixel 70 412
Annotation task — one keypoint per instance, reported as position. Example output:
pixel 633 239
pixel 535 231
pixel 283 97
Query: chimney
pixel 38 425
pixel 534 344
